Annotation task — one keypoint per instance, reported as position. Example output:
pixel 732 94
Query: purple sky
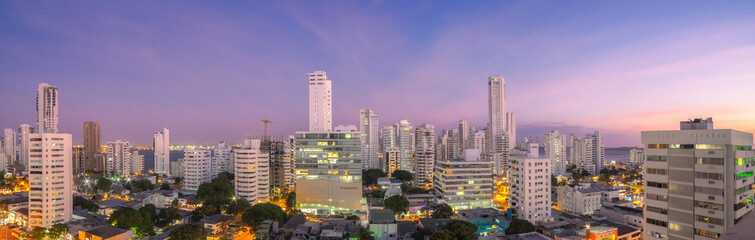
pixel 212 72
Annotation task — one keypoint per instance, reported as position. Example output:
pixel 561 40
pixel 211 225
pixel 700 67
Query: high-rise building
pixel 555 150
pixel 328 171
pixel 92 146
pixel 50 179
pixel 196 166
pixel 453 146
pixel 405 137
pixel 320 102
pixel 280 165
pixel 497 117
pixel 252 172
pixel 388 138
pixel 511 128
pixel 369 127
pixel 478 141
pixel 161 144
pixel 582 152
pixel 177 168
pixel 698 181
pixel 465 183
pixel 24 132
pixel 79 159
pixel 599 151
pixel 221 155
pixel 137 162
pixel 391 155
pixel 441 146
pixel 636 156
pixel 424 156
pixel 10 146
pixel 530 191
pixel 47 108
pixel 118 160
pixel 465 135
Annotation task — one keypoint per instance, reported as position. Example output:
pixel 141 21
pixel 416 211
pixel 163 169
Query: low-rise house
pixel 106 233
pixel 489 221
pixel 109 206
pixel 579 198
pixel 434 224
pixel 84 220
pixel 160 198
pixel 383 224
pixel 216 225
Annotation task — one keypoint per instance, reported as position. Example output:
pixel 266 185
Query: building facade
pixel 320 102
pixel 137 162
pixel 161 144
pixel 50 179
pixel 555 150
pixel 369 127
pixel 92 146
pixel 530 194
pixel 252 172
pixel 405 137
pixel 579 198
pixel 47 108
pixel 118 158
pixel 465 183
pixel 196 167
pixel 221 155
pixel 424 156
pixel 24 133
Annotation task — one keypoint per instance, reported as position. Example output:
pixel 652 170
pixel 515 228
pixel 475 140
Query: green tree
pixel 38 233
pixel 189 232
pixel 148 211
pixel 165 186
pixel 397 203
pixel 238 206
pixel 216 189
pixel 85 204
pixel 57 231
pixel 402 175
pixel 225 176
pixel 141 185
pixel 554 181
pixel 166 217
pixel 604 178
pixel 518 226
pixel 364 234
pixel 421 233
pixel 461 229
pixel 408 188
pixel 442 235
pixel 177 180
pixel 128 218
pixel 103 185
pixel 370 176
pixel 290 201
pixel 353 217
pixel 253 216
pixel 443 211
pixel 378 193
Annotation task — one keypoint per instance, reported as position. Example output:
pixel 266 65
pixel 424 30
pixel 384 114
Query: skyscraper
pixel 424 156
pixel 161 144
pixel 252 172
pixel 405 137
pixel 320 104
pixel 92 146
pixel 388 138
pixel 50 179
pixel 220 158
pixel 497 117
pixel 47 108
pixel 118 158
pixel 10 147
pixel 369 128
pixel 137 162
pixel 465 135
pixel 555 150
pixel 531 191
pixel 698 181
pixel 24 133
pixel 78 159
pixel 599 151
pixel 197 168
pixel 465 183
pixel 511 129
pixel 582 151
pixel 280 165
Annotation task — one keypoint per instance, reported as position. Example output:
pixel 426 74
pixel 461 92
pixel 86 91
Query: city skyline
pixel 562 69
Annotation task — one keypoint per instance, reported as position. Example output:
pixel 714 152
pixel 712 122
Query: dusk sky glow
pixel 211 72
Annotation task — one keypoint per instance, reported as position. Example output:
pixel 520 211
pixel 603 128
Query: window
pixel 711 220
pixel 662 146
pixel 711 176
pixel 657 184
pixel 656 210
pixel 654 158
pixel 657 222
pixel 656 171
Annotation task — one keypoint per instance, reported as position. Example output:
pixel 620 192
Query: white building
pixel 118 160
pixel 583 155
pixel 137 162
pixel 529 193
pixel 497 117
pixel 50 179
pixel 405 137
pixel 465 183
pixel 24 133
pixel 320 102
pixel 424 156
pixel 579 198
pixel 10 147
pixel 47 108
pixel 453 146
pixel 465 136
pixel 555 149
pixel 636 156
pixel 161 144
pixel 369 127
pixel 391 155
pixel 388 138
pixel 221 155
pixel 252 172
pixel 196 166
pixel 698 181
pixel 478 141
pixel 599 151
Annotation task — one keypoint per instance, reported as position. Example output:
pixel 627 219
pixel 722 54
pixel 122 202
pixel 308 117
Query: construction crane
pixel 265 122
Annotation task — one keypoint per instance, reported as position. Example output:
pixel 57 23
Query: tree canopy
pixel 218 188
pixel 238 206
pixel 57 231
pixel 85 204
pixel 397 203
pixel 165 186
pixel 141 185
pixel 364 234
pixel 128 218
pixel 226 176
pixel 421 233
pixel 462 230
pixel 253 216
pixel 38 233
pixel 442 235
pixel 103 185
pixel 378 193
pixel 370 176
pixel 443 211
pixel 518 226
pixel 353 217
pixel 166 217
pixel 189 232
pixel 403 175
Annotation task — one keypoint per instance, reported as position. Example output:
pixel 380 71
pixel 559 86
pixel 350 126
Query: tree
pixel 378 193
pixel 148 211
pixel 217 188
pixel 178 180
pixel 38 233
pixel 370 176
pixel 57 231
pixel 402 175
pixel 554 181
pixel 165 186
pixel 604 178
pixel 442 235
pixel 253 216
pixel 408 188
pixel 189 232
pixel 353 217
pixel 238 206
pixel 128 218
pixel 364 234
pixel 103 185
pixel 85 204
pixel 166 217
pixel 421 233
pixel 443 211
pixel 397 203
pixel 290 201
pixel 518 226
pixel 141 185
pixel 225 176
pixel 461 229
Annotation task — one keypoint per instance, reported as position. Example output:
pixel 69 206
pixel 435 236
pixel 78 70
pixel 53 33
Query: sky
pixel 210 70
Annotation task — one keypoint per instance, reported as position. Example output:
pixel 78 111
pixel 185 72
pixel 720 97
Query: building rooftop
pixel 434 224
pixel 382 216
pixel 588 190
pixel 111 203
pixel 106 231
pixel 524 236
pixel 480 213
pixel 217 218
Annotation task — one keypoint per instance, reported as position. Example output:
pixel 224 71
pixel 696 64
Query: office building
pixel 47 108
pixel 424 156
pixel 478 141
pixel 328 171
pixel 698 180
pixel 555 150
pixel 161 144
pixel 50 179
pixel 24 132
pixel 441 146
pixel 388 138
pixel 405 137
pixel 10 146
pixel 196 167
pixel 453 146
pixel 279 152
pixel 529 193
pixel 465 183
pixel 252 172
pixel 465 135
pixel 369 127
pixel 320 102
pixel 221 155
pixel 118 160
pixel 92 146
pixel 511 129
pixel 578 198
pixel 137 162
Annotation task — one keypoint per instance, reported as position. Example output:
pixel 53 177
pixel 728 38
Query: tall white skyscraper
pixel 50 179
pixel 388 138
pixel 197 168
pixel 424 156
pixel 118 161
pixel 47 108
pixel 24 133
pixel 555 150
pixel 497 117
pixel 599 151
pixel 405 137
pixel 511 129
pixel 221 155
pixel 161 144
pixel 252 172
pixel 320 102
pixel 478 141
pixel 583 154
pixel 10 147
pixel 369 127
